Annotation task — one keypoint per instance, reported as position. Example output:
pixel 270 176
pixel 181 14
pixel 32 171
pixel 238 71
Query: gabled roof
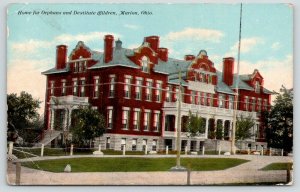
pixel 171 66
pixel 221 86
pixel 241 84
pixel 54 70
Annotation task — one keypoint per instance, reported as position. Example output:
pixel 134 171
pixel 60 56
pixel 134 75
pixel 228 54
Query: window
pixel 156 121
pixel 221 101
pixel 168 94
pixel 253 103
pixel 246 103
pixel 75 87
pixel 82 88
pixel 107 142
pixel 127 86
pixel 154 145
pixel 125 118
pixel 193 97
pixel 51 87
pixel 123 143
pixel 146 120
pixel 230 106
pixel 109 117
pixel 148 90
pixel 63 89
pixel 134 142
pixel 259 104
pixel 158 91
pixel 138 88
pixel 136 119
pixel 112 79
pixel 257 87
pixel 176 93
pixel 144 144
pixel 145 64
pixel 265 104
pixel 96 87
pixel 76 67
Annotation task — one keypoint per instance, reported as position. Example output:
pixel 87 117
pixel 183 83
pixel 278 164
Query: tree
pixel 21 113
pixel 219 130
pixel 279 121
pixel 195 125
pixel 243 128
pixel 89 125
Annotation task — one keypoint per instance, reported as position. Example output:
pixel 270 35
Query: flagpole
pixel 233 150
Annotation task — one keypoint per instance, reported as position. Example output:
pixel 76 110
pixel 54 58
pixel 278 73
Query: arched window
pixel 145 64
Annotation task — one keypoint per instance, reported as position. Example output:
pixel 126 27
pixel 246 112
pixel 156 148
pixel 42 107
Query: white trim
pixel 126 108
pixel 156 111
pixel 128 76
pixel 110 107
pixel 112 75
pixel 96 77
pixel 82 78
pixel 147 110
pixel 139 78
pixel 63 80
pixel 158 81
pixel 74 79
pixel 136 109
pixel 149 80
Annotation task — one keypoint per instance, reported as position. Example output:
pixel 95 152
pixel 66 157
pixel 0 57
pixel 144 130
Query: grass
pixel 133 164
pixel 277 166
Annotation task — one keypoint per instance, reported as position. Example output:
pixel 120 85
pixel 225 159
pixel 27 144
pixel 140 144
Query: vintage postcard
pixel 150 94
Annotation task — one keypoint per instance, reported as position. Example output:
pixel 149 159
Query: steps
pixel 50 135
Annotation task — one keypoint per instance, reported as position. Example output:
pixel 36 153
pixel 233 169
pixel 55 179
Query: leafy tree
pixel 195 125
pixel 279 121
pixel 219 131
pixel 89 125
pixel 243 128
pixel 21 113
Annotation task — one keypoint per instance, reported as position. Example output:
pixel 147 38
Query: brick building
pixel 136 89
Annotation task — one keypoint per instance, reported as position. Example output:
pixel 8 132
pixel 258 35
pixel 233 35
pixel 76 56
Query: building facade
pixel 137 91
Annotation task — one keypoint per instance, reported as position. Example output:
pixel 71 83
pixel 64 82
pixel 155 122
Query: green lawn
pixel 277 166
pixel 133 164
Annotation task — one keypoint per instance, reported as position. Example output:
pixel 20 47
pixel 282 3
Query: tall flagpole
pixel 236 88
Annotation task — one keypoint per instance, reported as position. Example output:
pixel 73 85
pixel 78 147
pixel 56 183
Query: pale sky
pixel 267 37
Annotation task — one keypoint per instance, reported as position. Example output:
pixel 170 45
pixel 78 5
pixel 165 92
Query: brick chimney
pixel 61 56
pixel 108 48
pixel 153 42
pixel 163 54
pixel 228 66
pixel 189 57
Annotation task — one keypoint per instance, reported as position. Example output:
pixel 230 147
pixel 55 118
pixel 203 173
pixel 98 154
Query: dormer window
pixel 145 64
pixel 257 87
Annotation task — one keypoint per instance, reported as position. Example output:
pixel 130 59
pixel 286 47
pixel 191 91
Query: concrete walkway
pixel 245 173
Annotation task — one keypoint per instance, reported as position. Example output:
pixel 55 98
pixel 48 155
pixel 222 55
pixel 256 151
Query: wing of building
pixel 136 89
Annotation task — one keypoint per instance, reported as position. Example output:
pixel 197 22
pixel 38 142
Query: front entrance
pixel 168 142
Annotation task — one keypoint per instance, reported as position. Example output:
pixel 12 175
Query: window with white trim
pixel 246 103
pixel 123 143
pixel 148 90
pixel 82 87
pixel 125 119
pixel 138 89
pixel 75 87
pixel 193 97
pixel 96 87
pixel 63 87
pixel 158 91
pixel 221 100
pixel 107 142
pixel 154 145
pixel 176 93
pixel 230 105
pixel 168 93
pixel 134 142
pixel 259 104
pixel 127 86
pixel 147 120
pixel 110 117
pixel 209 99
pixel 112 79
pixel 156 121
pixel 253 103
pixel 52 87
pixel 145 64
pixel 136 119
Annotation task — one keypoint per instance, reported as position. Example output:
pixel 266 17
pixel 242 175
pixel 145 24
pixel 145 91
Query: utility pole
pixel 236 87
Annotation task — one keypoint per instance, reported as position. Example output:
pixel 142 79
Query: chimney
pixel 108 48
pixel 189 57
pixel 163 54
pixel 153 42
pixel 61 56
pixel 228 66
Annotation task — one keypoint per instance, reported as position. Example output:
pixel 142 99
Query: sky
pixel 266 45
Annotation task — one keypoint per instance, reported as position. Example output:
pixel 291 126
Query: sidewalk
pixel 247 172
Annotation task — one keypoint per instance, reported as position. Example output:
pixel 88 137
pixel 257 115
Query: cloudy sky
pixel 267 36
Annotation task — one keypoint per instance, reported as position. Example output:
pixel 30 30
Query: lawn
pixel 277 166
pixel 129 164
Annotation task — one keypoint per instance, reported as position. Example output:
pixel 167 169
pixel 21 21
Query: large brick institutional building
pixel 136 90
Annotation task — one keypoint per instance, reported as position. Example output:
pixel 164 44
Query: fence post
pixel 219 150
pixel 203 150
pixel 185 150
pixel 99 147
pixel 146 149
pixel 10 148
pixel 124 149
pixel 42 150
pixel 71 150
pixel 281 152
pixel 167 150
pixel 18 173
pixel 270 154
pixel 262 151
